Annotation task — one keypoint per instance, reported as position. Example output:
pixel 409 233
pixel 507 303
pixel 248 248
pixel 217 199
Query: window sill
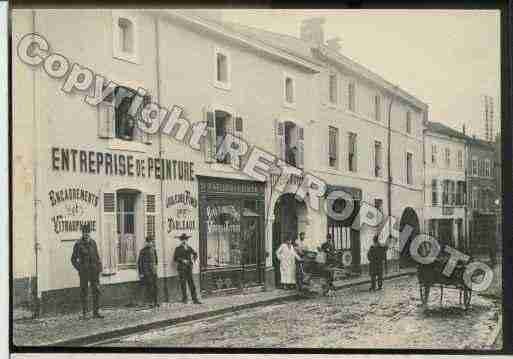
pixel 223 86
pixel 130 146
pixel 132 58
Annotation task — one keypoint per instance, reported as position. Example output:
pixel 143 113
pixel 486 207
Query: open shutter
pixel 373 156
pixel 279 136
pixel 210 141
pixel 300 147
pixel 150 211
pixel 106 123
pixel 109 240
pixel 238 131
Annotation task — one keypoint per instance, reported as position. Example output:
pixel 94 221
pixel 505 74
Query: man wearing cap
pixel 86 261
pixel 184 257
pixel 147 267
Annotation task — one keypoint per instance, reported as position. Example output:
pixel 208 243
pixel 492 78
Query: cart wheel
pixel 467 295
pixel 424 293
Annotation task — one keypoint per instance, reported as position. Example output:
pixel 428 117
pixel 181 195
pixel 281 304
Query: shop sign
pixel 183 208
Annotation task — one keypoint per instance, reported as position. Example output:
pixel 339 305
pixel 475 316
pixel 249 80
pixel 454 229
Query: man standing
pixel 184 257
pixel 147 266
pixel 299 247
pixel 87 262
pixel 376 257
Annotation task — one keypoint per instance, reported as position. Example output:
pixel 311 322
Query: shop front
pixel 232 236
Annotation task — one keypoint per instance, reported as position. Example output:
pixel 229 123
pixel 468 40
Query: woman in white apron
pixel 287 256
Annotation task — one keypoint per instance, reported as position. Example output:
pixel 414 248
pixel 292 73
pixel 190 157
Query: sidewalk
pixel 68 330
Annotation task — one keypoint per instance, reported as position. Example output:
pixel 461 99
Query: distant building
pixel 488 118
pixel 445 211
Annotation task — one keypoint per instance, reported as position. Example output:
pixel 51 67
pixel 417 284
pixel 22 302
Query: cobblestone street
pixel 355 318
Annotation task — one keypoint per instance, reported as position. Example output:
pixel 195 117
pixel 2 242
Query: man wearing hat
pixel 184 257
pixel 147 267
pixel 87 262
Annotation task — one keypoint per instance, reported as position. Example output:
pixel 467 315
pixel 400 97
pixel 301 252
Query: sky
pixel 445 58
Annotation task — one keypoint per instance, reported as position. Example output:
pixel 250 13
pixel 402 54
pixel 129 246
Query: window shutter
pixel 145 137
pixel 300 147
pixel 210 141
pixel 150 210
pixel 238 132
pixel 109 237
pixel 106 121
pixel 279 130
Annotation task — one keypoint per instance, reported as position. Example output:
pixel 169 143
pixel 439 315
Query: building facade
pixel 318 111
pixel 482 191
pixel 445 185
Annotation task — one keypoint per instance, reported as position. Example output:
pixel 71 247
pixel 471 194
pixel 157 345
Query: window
pixel 126 215
pixel 474 166
pixel 460 159
pixel 351 98
pixel 475 197
pixel 333 147
pixel 409 168
pixel 124 33
pixel 408 122
pixel 480 168
pixel 434 154
pixel 352 152
pixel 289 90
pixel 434 192
pixel 487 168
pixel 378 204
pixel 378 159
pixel 222 69
pixel 333 89
pixel 223 123
pixel 432 227
pixel 452 193
pixel 445 192
pixel 377 107
pixel 460 197
pixel 448 157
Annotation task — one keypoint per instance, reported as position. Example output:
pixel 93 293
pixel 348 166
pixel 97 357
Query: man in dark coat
pixel 87 262
pixel 184 257
pixel 376 256
pixel 147 267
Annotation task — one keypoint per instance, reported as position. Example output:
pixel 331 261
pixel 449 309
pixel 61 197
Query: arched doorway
pixel 289 220
pixel 410 218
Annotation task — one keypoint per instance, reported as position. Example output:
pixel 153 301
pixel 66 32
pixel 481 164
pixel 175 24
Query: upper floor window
pixel 408 122
pixel 434 192
pixel 460 159
pixel 447 157
pixel 487 168
pixel 333 147
pixel 480 168
pixel 222 69
pixel 333 88
pixel 289 90
pixel 378 204
pixel 377 107
pixel 125 36
pixel 474 166
pixel 378 159
pixel 460 197
pixel 475 197
pixel 409 168
pixel 434 154
pixel 351 96
pixel 352 152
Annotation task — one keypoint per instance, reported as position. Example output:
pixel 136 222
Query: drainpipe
pixel 162 229
pixel 34 287
pixel 389 171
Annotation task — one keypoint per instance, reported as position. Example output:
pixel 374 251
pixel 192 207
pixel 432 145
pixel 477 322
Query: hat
pixel 183 236
pixel 85 228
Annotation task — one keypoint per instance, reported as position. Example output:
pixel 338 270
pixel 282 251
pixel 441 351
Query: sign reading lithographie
pixel 184 212
pixel 114 164
pixel 74 207
pixel 225 186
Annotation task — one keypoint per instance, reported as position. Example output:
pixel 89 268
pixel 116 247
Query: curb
pixel 116 333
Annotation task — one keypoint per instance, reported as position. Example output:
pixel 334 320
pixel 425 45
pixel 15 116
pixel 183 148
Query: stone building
pixel 299 99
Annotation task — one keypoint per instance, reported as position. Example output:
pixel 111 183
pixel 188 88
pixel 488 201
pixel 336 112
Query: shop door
pixel 445 233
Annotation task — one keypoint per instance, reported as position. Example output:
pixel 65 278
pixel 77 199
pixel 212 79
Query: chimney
pixel 334 43
pixel 312 31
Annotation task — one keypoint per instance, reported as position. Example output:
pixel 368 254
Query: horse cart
pixel 431 275
pixel 320 271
